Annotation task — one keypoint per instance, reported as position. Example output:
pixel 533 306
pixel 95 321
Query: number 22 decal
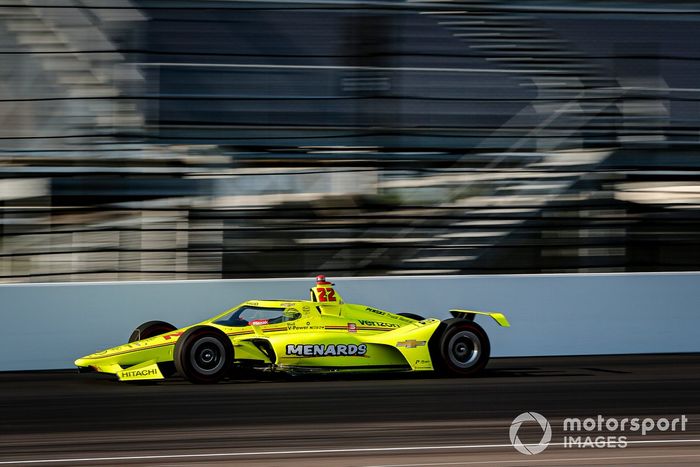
pixel 325 295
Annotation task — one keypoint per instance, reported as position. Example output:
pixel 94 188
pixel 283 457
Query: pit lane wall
pixel 47 326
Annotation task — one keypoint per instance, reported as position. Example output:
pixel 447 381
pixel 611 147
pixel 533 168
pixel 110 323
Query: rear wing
pixel 470 315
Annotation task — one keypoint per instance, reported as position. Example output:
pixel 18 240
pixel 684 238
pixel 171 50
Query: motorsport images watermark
pixel 609 432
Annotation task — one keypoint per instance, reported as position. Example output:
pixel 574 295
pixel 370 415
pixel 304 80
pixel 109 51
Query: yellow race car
pixel 322 334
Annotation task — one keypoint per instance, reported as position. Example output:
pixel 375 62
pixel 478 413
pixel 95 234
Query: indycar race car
pixel 322 334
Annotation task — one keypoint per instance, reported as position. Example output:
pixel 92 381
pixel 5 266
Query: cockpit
pixel 258 316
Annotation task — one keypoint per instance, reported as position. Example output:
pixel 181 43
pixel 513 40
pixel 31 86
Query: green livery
pixel 322 334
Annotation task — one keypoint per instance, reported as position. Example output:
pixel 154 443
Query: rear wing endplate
pixel 470 315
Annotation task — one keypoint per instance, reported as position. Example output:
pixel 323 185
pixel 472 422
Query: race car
pixel 322 334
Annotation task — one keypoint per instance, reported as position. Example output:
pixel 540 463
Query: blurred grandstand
pixel 218 139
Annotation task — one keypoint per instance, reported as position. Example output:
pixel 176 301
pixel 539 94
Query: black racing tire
pixel 203 355
pixel 150 329
pixel 462 349
pixel 411 316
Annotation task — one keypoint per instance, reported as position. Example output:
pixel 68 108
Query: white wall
pixel 46 326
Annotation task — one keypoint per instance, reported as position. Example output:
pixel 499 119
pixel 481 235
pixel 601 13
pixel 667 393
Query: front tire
pixel 203 355
pixel 463 349
pixel 150 329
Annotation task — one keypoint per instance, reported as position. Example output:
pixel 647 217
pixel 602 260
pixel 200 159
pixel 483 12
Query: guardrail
pixel 47 326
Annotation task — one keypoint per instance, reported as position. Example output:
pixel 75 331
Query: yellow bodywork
pixel 142 371
pixel 325 334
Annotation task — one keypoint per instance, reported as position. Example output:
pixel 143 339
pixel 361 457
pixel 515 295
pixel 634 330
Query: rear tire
pixel 150 329
pixel 203 355
pixel 463 349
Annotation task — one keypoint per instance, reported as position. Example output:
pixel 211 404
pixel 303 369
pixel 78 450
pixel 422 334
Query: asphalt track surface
pixel 63 418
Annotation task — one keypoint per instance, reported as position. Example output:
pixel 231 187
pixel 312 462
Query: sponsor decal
pixel 286 304
pixel 136 373
pixel 410 344
pixel 305 309
pixel 374 310
pixel 377 324
pixel 295 327
pixel 258 322
pixel 352 327
pixel 326 350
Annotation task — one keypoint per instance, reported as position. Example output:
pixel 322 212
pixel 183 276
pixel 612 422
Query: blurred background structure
pixel 158 139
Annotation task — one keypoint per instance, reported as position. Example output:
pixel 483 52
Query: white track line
pixel 298 452
pixel 539 460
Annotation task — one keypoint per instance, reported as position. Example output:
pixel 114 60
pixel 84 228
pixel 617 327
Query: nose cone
pixel 81 362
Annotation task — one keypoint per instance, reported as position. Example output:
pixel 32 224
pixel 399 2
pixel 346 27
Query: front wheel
pixel 150 329
pixel 463 349
pixel 203 355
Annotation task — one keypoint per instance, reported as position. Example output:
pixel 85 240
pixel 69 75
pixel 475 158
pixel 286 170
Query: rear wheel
pixel 203 355
pixel 150 329
pixel 463 349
